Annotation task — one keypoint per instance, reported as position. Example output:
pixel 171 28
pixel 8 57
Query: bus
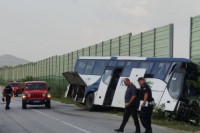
pixel 98 81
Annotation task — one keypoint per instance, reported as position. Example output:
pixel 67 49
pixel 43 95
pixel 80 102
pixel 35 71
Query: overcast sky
pixel 37 29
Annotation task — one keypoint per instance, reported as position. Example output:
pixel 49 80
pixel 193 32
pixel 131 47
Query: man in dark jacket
pixel 147 103
pixel 131 106
pixel 8 94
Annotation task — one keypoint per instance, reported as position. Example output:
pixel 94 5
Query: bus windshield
pixel 175 86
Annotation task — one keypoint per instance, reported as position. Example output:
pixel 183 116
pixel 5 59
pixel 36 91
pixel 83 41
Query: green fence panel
pixel 70 61
pixel 148 44
pixel 75 57
pixel 195 39
pixel 115 43
pixel 93 50
pixel 106 48
pixel 164 41
pixel 99 49
pixel 135 45
pixel 125 45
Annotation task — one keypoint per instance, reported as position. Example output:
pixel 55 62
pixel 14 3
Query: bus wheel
pixel 90 102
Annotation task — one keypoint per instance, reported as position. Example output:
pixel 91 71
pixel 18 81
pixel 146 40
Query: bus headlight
pixel 49 96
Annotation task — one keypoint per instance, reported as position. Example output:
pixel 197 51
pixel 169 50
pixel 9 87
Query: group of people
pixel 135 100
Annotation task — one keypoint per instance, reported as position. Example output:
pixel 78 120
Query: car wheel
pixel 48 104
pixel 23 105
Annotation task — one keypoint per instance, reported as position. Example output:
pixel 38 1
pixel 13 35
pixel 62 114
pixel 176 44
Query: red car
pixel 17 87
pixel 36 93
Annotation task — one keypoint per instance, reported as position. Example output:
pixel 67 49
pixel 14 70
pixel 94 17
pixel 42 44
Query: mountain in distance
pixel 10 60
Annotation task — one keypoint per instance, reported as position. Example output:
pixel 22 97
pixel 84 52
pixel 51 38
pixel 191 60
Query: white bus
pixel 99 80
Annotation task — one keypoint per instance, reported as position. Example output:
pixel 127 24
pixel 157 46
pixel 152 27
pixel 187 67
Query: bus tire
pixel 90 102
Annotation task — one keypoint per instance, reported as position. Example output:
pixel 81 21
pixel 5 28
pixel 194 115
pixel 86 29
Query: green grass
pixel 176 125
pixel 68 101
pixel 162 122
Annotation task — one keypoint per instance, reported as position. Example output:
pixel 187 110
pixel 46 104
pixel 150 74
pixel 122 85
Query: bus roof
pixel 137 58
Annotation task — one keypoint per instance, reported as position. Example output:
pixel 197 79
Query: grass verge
pixel 176 125
pixel 68 101
pixel 157 121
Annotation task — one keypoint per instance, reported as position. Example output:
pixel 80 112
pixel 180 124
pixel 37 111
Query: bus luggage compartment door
pixel 76 87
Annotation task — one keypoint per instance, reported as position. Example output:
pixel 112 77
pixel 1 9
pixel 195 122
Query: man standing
pixel 8 94
pixel 147 103
pixel 131 106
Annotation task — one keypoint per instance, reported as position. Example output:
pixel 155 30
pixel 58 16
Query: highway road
pixel 62 118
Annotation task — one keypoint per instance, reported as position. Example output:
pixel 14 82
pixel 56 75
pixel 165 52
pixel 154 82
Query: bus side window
pixel 160 69
pixel 99 67
pixel 121 63
pixel 147 65
pixel 129 66
pixel 107 76
pixel 80 67
pixel 89 67
pixel 112 63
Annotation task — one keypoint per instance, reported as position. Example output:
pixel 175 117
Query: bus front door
pixel 107 87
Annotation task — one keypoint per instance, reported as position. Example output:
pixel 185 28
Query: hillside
pixel 10 60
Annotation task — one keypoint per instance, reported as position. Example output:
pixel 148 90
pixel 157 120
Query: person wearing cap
pixel 146 103
pixel 131 106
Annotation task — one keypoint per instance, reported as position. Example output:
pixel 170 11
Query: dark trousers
pixel 8 98
pixel 145 117
pixel 131 110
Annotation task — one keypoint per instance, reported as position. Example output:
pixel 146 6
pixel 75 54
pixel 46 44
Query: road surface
pixel 62 118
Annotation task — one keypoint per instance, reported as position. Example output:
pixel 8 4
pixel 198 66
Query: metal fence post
pixel 154 42
pixel 141 45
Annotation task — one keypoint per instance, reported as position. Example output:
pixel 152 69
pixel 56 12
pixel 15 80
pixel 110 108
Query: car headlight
pixel 23 96
pixel 48 96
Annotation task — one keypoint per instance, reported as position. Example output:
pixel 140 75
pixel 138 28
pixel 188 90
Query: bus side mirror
pixel 49 88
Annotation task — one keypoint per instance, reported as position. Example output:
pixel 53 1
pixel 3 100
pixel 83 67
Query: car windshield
pixel 35 86
pixel 14 84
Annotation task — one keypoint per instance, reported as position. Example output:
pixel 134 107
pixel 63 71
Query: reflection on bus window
pixel 128 68
pixel 107 76
pixel 147 65
pixel 89 67
pixel 121 63
pixel 99 67
pixel 176 85
pixel 80 67
pixel 112 63
pixel 160 70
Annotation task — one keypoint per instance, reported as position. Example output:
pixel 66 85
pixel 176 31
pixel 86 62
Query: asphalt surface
pixel 61 118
